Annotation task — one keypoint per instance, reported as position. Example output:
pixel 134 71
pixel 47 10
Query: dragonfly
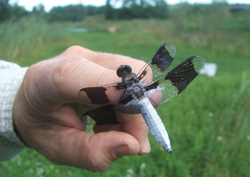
pixel 140 93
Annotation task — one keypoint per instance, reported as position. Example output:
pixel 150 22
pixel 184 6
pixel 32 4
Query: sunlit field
pixel 208 123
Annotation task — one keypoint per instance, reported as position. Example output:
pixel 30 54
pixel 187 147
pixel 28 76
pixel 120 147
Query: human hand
pixel 46 111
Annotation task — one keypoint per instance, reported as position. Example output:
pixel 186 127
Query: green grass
pixel 208 123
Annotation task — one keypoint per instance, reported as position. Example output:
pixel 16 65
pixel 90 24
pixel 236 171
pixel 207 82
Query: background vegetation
pixel 208 124
pixel 129 10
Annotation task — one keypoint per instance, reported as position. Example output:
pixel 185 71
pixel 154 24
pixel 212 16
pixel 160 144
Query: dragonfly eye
pixel 123 70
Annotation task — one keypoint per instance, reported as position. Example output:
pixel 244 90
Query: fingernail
pixel 146 148
pixel 123 150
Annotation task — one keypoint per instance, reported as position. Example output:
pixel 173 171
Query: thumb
pixel 93 152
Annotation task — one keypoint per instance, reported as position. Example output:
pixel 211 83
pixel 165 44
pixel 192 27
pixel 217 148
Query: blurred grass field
pixel 208 123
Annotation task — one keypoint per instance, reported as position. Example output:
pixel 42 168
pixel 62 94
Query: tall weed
pixel 26 41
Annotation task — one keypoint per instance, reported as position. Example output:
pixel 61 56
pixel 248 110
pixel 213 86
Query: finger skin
pixel 107 60
pixel 92 152
pixel 136 127
pixel 45 116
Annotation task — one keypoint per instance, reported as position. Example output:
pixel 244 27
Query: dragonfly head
pixel 123 71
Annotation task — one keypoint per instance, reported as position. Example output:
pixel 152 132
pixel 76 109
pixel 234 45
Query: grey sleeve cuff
pixel 11 77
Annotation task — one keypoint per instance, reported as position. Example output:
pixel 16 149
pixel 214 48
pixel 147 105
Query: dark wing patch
pixel 103 115
pixel 164 56
pixel 97 95
pixel 183 74
pixel 107 114
pixel 160 62
pixel 104 94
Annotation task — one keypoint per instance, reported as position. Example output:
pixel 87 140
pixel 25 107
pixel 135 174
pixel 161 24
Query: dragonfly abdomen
pixel 154 123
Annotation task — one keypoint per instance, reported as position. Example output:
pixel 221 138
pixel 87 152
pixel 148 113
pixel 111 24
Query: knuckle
pixel 73 48
pixel 76 50
pixel 60 73
pixel 64 69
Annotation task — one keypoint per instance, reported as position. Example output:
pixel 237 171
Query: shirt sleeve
pixel 11 77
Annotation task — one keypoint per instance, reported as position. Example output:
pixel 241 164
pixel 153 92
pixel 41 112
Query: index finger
pixel 107 60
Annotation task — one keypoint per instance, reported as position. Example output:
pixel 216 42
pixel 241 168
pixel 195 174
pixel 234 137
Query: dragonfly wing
pixel 158 65
pixel 178 79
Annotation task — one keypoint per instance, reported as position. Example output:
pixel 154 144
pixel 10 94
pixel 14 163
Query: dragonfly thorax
pixel 136 90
